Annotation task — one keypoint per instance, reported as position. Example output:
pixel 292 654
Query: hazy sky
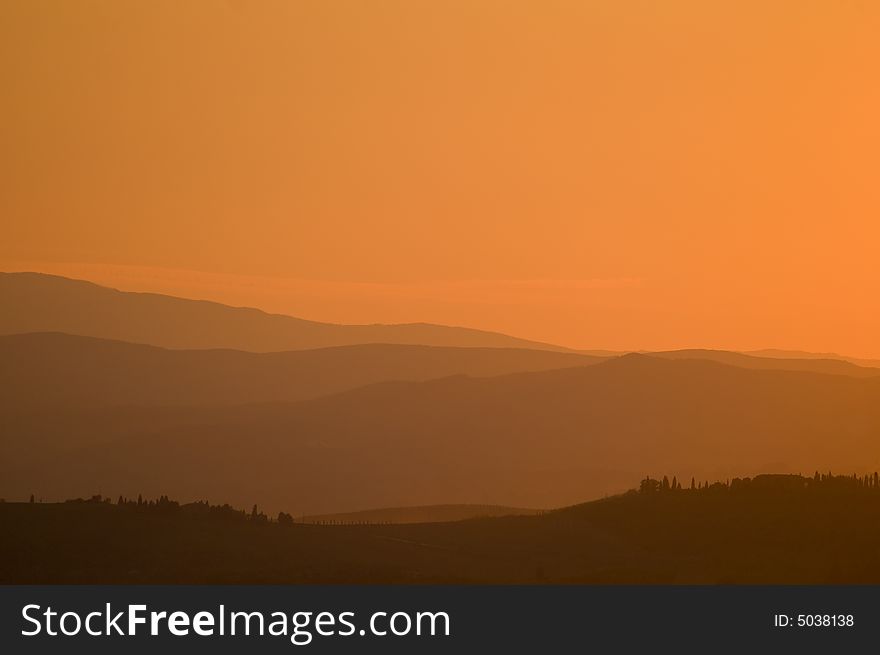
pixel 607 173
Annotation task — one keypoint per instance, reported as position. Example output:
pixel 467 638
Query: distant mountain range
pixel 815 364
pixel 61 370
pixel 103 391
pixel 34 302
pixel 801 354
pixel 43 370
pixel 37 302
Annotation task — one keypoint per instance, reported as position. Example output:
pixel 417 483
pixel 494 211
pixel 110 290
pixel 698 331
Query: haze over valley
pixel 367 426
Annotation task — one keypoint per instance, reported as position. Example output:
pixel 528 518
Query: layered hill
pixel 43 370
pixel 34 302
pixel 59 370
pixel 816 364
pixel 538 439
pixel 800 354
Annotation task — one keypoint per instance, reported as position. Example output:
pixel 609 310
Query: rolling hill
pixel 34 302
pixel 769 530
pixel 800 354
pixel 537 439
pixel 817 364
pixel 60 370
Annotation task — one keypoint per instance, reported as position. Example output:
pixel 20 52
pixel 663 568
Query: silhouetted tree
pixel 649 485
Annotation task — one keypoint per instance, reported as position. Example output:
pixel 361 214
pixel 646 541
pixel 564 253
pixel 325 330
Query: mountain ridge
pixel 61 370
pixel 37 302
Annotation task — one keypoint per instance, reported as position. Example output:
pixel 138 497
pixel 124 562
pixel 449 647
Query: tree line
pixel 766 482
pixel 201 508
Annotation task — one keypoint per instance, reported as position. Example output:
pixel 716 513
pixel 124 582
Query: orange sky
pixel 604 174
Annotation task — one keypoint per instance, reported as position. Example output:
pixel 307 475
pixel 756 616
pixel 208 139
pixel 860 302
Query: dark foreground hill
pixel 773 529
pixel 420 514
pixel 44 370
pixel 34 302
pixel 542 439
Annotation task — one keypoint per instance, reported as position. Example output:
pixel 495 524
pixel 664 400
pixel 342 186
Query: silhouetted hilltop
pixel 538 439
pixel 777 353
pixel 34 302
pixel 51 369
pixel 771 529
pixel 60 370
pixel 832 366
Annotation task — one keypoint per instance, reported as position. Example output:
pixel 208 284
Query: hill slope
pixel 60 370
pixel 419 514
pixel 539 439
pixel 817 364
pixel 800 354
pixel 33 302
pixel 759 532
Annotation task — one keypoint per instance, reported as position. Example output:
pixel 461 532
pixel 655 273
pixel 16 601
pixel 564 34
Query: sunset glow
pixel 619 175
